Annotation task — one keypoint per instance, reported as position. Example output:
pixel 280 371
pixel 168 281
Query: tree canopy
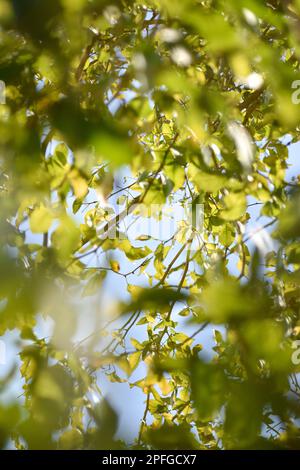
pixel 113 109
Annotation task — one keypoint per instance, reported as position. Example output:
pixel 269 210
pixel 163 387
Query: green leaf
pixel 235 206
pixel 41 220
pixel 72 439
pixel 208 389
pixel 94 284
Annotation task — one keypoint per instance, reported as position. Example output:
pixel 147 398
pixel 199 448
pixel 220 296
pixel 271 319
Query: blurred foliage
pixel 195 97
